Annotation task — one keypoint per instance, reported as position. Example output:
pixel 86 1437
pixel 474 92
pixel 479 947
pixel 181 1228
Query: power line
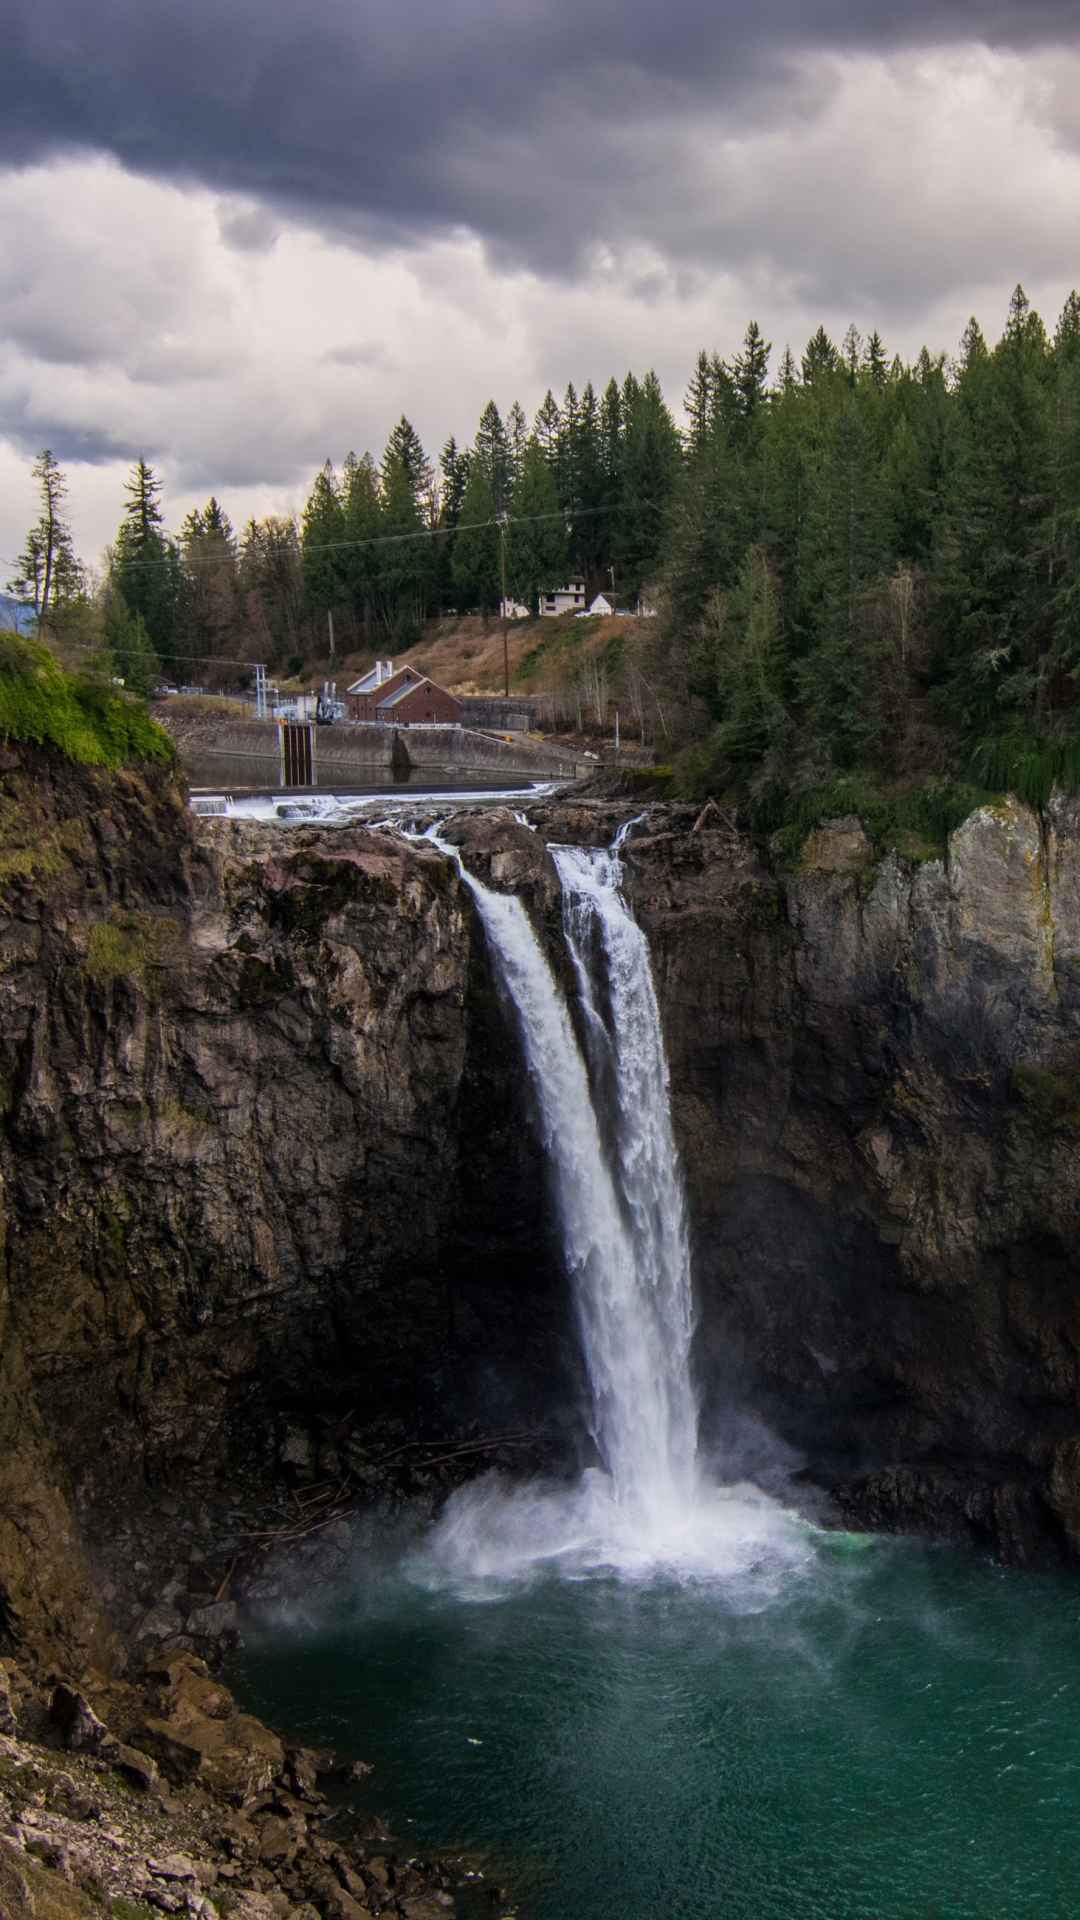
pixel 422 533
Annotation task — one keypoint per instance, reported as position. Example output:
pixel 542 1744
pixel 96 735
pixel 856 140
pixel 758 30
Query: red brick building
pixel 420 703
pixel 402 699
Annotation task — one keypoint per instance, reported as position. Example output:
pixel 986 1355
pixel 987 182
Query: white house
pixel 569 599
pixel 513 610
pixel 602 604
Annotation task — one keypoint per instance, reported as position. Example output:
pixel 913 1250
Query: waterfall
pixel 606 1129
pixel 649 1311
pixel 622 1214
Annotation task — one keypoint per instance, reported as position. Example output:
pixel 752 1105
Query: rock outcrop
pixel 235 1825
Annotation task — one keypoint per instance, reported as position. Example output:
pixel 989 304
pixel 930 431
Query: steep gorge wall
pixel 876 1086
pixel 265 1152
pixel 268 1155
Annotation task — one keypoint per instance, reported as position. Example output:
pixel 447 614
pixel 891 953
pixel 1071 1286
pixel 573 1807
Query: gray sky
pixel 236 237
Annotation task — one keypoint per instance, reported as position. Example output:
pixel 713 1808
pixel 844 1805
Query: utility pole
pixel 330 625
pixel 502 579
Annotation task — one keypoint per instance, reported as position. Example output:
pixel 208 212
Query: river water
pixel 893 1733
pixel 650 1693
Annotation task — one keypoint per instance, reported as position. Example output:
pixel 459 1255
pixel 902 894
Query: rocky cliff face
pixel 274 1205
pixel 876 1084
pixel 268 1181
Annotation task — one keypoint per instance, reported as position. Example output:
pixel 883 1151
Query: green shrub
pixel 1019 763
pixel 86 718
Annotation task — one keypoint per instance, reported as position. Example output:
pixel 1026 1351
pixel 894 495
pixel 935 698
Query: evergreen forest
pixel 866 572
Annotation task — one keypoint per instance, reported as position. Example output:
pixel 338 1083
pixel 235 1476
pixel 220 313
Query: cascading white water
pixel 619 1193
pixel 636 1331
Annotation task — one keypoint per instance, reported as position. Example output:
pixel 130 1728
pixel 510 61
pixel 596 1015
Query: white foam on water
pixel 649 1511
pixel 327 809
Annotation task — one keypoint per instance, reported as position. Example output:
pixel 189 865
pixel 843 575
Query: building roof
pixel 380 675
pixel 399 693
pixel 367 683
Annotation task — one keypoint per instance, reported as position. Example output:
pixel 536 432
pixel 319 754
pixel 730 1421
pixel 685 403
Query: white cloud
pixel 236 348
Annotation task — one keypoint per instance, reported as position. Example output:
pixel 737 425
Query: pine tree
pixel 407 566
pixel 1067 335
pixel 517 434
pixel 875 361
pixel 565 448
pixel 845 537
pixel 208 597
pixel 322 538
pixel 750 667
pixel 47 572
pixel 994 593
pixel 272 587
pixel 701 545
pixel 536 540
pixel 492 450
pixel 820 357
pixel 144 567
pixel 361 513
pixel 454 475
pixel 750 373
pixel 610 437
pixel 650 464
pixel 546 427
pixel 697 403
pixel 475 563
pixel 585 486
pixel 851 352
pixel 131 654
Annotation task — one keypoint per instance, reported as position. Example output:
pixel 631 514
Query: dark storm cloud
pixel 540 126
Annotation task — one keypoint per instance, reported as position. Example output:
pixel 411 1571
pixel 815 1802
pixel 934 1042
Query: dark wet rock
pixel 8 1718
pixel 79 1725
pixel 372 1828
pixel 355 1770
pixel 134 1765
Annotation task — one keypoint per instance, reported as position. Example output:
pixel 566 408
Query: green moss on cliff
pixel 86 719
pixel 1050 1101
pixel 32 848
pixel 126 943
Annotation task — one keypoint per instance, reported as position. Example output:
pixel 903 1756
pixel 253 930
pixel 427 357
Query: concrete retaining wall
pixel 360 752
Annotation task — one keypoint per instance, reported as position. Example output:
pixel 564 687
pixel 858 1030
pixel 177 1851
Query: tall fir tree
pixel 475 564
pixel 491 449
pixel 144 565
pixel 47 574
pixel 322 535
pixel 536 537
pixel 407 567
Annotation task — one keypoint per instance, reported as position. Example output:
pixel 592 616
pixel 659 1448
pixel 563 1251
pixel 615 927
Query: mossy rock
pixel 127 943
pixel 1049 1101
